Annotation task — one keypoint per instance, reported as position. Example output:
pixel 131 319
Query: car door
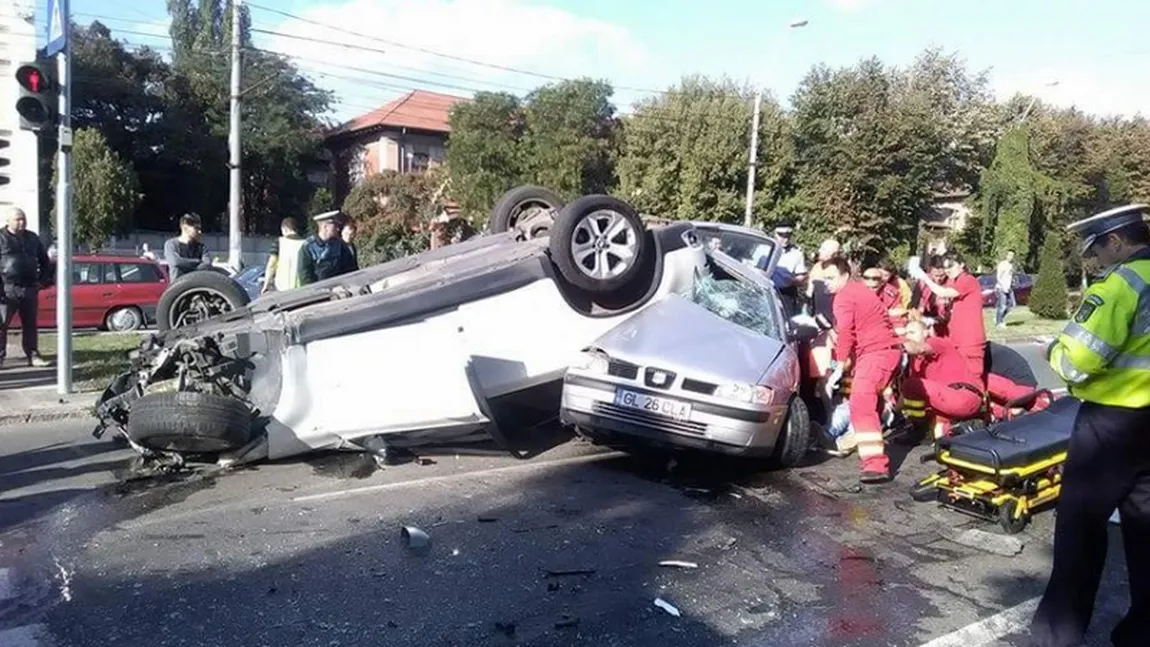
pixel 90 294
pixel 139 284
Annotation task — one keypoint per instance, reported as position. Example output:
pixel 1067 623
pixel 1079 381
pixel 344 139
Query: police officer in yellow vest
pixel 1104 356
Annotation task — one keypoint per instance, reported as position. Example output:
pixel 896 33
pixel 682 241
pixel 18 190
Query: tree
pixel 1048 297
pixel 105 189
pixel 483 158
pixel 684 152
pixel 570 137
pixel 392 211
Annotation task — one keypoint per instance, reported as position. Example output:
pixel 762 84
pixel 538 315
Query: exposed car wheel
pixel 530 209
pixel 125 319
pixel 194 423
pixel 599 244
pixel 1008 521
pixel 795 436
pixel 198 296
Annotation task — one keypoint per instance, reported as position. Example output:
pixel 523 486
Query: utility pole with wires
pixel 753 162
pixel 235 188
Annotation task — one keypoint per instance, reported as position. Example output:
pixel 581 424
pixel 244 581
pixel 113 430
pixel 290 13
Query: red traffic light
pixel 32 79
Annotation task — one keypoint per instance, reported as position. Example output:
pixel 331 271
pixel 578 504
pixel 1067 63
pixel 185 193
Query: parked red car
pixel 110 292
pixel 1022 285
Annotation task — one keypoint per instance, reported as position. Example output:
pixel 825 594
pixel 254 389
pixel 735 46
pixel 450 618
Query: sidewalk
pixel 29 394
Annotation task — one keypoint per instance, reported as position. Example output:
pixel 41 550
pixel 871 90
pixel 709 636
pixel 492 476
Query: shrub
pixel 1049 297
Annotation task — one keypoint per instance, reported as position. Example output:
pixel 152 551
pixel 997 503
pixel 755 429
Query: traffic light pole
pixel 64 228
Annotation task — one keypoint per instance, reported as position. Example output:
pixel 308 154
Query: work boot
pixel 39 362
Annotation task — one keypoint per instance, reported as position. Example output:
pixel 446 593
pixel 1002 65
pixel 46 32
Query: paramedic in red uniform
pixel 966 328
pixel 925 303
pixel 867 346
pixel 940 376
pixel 880 280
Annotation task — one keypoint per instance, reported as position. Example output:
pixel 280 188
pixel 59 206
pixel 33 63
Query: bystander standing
pixel 24 269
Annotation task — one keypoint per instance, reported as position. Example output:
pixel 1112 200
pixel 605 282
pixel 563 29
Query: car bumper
pixel 589 403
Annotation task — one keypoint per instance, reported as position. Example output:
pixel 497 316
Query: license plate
pixel 652 404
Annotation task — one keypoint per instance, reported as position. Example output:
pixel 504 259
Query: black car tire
pixel 189 422
pixel 214 283
pixel 577 224
pixel 795 437
pixel 504 215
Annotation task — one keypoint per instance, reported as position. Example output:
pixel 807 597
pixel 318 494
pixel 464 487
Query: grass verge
pixel 1021 323
pixel 96 357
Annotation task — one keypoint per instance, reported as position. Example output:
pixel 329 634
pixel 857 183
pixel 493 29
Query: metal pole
pixel 754 158
pixel 64 218
pixel 235 242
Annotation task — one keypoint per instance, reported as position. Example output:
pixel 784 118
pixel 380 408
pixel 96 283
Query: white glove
pixel 914 268
pixel 833 380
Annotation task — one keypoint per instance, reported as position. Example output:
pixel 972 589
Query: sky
pixel 1087 53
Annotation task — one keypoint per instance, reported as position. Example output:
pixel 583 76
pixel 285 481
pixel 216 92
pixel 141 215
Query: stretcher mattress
pixel 1019 442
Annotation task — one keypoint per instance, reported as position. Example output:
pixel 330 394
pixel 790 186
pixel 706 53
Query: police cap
pixel 785 229
pixel 1098 225
pixel 327 215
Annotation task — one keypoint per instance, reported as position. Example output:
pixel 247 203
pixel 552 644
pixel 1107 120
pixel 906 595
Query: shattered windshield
pixel 741 302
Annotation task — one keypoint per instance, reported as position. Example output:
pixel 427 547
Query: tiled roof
pixel 418 109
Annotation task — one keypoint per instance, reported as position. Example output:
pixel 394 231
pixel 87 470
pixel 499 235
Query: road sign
pixel 57 27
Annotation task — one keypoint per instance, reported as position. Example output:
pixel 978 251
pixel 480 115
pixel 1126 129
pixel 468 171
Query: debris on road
pixel 566 622
pixel 668 607
pixel 674 563
pixel 1004 545
pixel 415 538
pixel 505 628
pixel 569 572
pixel 485 519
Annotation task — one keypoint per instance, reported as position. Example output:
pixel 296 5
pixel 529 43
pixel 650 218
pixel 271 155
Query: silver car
pixel 716 369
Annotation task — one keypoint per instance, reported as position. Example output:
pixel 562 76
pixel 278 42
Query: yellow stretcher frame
pixel 1009 496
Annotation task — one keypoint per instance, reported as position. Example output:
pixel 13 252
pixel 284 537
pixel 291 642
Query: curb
pixel 47 415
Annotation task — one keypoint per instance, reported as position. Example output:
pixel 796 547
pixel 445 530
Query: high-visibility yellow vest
pixel 287 263
pixel 1104 352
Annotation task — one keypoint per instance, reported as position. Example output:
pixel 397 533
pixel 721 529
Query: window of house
pixel 420 162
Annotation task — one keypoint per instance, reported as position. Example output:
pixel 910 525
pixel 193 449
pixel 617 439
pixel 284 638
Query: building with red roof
pixel 407 134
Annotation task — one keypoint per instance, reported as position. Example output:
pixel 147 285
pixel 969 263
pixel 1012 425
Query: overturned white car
pixel 421 348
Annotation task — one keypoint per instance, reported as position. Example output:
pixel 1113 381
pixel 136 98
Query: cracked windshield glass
pixel 322 321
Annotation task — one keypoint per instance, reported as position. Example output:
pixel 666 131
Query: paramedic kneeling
pixel 1104 356
pixel 939 375
pixel 866 339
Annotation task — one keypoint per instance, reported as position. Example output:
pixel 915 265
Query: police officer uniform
pixel 1104 356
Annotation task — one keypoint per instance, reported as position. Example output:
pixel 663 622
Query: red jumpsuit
pixel 864 333
pixel 946 383
pixel 891 297
pixel 931 305
pixel 966 328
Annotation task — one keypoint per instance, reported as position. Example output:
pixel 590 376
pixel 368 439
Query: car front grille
pixel 651 420
pixel 699 386
pixel 619 368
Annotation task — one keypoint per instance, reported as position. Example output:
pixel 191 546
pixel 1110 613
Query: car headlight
pixel 749 393
pixel 591 361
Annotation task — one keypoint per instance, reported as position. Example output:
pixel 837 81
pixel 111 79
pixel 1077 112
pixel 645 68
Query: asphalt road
pixel 562 549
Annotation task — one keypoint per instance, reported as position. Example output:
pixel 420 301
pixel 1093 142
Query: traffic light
pixel 4 160
pixel 38 97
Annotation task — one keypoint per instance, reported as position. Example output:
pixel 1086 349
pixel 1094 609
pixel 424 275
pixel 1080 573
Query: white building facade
pixel 17 45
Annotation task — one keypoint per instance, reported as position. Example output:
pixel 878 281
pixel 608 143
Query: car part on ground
pixel 198 296
pixel 431 347
pixel 530 211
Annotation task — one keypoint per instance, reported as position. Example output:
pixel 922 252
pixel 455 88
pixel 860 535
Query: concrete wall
pixel 255 248
pixel 17 45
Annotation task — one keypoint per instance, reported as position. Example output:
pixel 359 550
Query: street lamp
pixel 1033 100
pixel 754 152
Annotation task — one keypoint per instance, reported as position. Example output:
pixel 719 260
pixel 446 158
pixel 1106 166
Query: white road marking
pixel 988 630
pixel 7 590
pixel 526 467
pixel 26 636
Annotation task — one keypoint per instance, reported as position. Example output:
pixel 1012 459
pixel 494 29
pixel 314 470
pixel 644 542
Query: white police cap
pixel 327 215
pixel 1098 225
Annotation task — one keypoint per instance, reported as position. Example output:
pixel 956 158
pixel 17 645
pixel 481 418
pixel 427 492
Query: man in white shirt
pixel 792 258
pixel 1004 289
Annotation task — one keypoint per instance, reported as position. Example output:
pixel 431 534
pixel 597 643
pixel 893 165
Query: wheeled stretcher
pixel 1003 471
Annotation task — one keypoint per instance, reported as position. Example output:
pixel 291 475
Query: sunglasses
pixel 871 277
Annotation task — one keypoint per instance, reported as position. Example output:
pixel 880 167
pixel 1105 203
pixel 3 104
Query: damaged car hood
pixel 678 333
